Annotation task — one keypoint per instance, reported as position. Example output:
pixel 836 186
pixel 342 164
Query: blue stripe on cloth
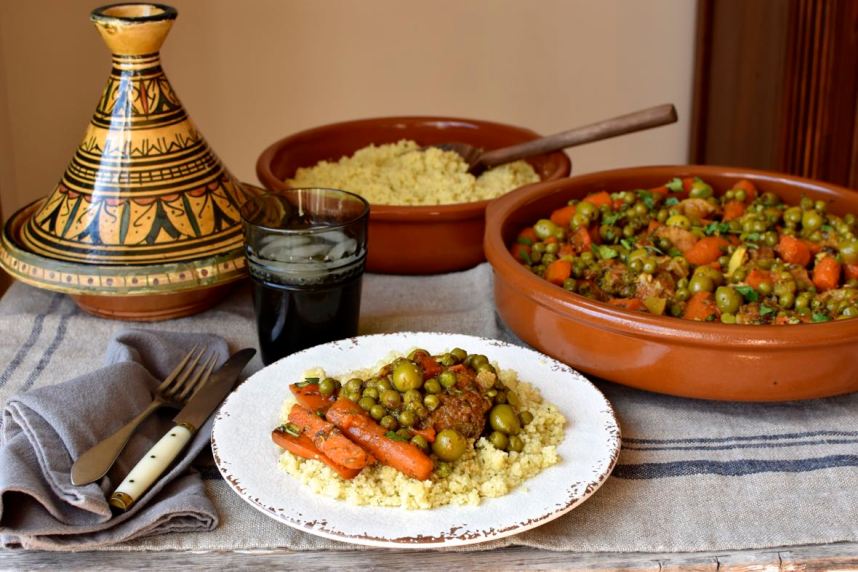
pixel 742 445
pixel 35 332
pixel 766 437
pixel 59 336
pixel 735 468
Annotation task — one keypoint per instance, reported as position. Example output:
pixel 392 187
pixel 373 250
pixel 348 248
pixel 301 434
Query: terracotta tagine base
pixel 152 308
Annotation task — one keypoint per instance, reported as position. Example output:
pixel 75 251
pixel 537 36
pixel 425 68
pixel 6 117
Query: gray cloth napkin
pixel 46 429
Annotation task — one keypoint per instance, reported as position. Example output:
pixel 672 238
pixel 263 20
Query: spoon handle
pixel 629 123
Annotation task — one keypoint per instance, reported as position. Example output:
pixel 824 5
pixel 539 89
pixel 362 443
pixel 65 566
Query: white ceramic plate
pixel 247 458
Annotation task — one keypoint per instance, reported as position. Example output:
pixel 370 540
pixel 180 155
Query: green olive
pixel 420 442
pixel 377 412
pixel 406 375
pixel 525 417
pixel 849 252
pixel 502 417
pixel 447 379
pixel 328 386
pixel 516 444
pixel 701 284
pixel 499 440
pixel 391 398
pixel 449 445
pixel 728 299
pixel 545 228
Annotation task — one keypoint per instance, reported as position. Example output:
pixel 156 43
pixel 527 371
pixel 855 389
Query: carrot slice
pixel 430 367
pixel 794 250
pixel 627 303
pixel 558 271
pixel 563 216
pixel 700 307
pixel 757 277
pixel 661 191
pixel 402 456
pixel 309 397
pixel 749 188
pixel 706 250
pixel 528 236
pixel 733 210
pixel 428 433
pixel 850 271
pixel 328 439
pixel 601 199
pixel 826 273
pixel 581 239
pixel 304 447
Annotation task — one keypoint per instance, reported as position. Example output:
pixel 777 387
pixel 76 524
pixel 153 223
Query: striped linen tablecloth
pixel 692 475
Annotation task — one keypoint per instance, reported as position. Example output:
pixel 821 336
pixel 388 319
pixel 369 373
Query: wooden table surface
pixel 841 557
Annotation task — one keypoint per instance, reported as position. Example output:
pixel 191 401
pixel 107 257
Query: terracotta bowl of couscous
pixel 424 233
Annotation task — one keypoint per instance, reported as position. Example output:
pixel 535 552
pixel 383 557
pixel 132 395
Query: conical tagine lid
pixel 143 187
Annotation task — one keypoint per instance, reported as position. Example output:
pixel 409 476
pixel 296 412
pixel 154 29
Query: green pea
pixel 486 367
pixel 432 402
pixel 765 288
pixel 636 266
pixel 569 284
pixel 371 392
pixel 406 375
pixel 728 299
pixel 377 412
pixel 447 379
pixel 432 386
pixel 354 385
pixel 770 199
pixel 792 215
pixel 389 422
pixel 499 440
pixel 786 300
pixel 728 319
pixel 443 470
pixel 448 359
pixel 449 445
pixel 552 248
pixel 459 354
pixel 516 444
pixel 820 206
pixel 391 398
pixel 770 238
pixel 585 209
pixel 811 220
pixel 407 418
pixel 417 353
pixel 412 396
pixel 525 417
pixel 545 228
pixel 366 403
pixel 420 442
pixel 700 190
pixel 476 360
pixel 383 385
pixel 849 252
pixel 328 386
pixel 682 294
pixel 850 311
pixel 649 265
pixel 741 195
pixel 679 221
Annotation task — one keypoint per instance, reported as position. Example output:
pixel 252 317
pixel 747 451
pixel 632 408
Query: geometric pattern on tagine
pixel 143 185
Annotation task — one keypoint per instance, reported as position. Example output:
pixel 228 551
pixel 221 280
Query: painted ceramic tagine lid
pixel 144 207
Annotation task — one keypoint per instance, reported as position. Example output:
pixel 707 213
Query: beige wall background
pixel 253 71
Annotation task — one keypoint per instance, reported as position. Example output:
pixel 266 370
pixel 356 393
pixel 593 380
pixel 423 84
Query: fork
pixel 179 386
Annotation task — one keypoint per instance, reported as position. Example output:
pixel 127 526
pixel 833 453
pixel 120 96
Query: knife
pixel 188 421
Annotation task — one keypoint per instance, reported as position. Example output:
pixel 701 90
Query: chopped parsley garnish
pixel 611 218
pixel 767 310
pixel 716 227
pixel 671 201
pixel 604 252
pixel 819 317
pixel 748 293
pixel 627 244
pixel 394 436
pixel 647 199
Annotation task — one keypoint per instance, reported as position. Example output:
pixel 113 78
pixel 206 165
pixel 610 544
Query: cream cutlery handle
pixel 96 461
pixel 150 467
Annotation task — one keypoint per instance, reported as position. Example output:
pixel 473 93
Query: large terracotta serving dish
pixel 408 239
pixel 664 354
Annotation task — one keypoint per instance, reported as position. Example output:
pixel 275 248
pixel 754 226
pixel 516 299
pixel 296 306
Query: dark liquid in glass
pixel 292 318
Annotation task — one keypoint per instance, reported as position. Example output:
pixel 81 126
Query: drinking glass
pixel 306 253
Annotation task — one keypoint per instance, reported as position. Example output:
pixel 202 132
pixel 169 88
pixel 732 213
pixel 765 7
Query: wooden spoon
pixel 478 160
